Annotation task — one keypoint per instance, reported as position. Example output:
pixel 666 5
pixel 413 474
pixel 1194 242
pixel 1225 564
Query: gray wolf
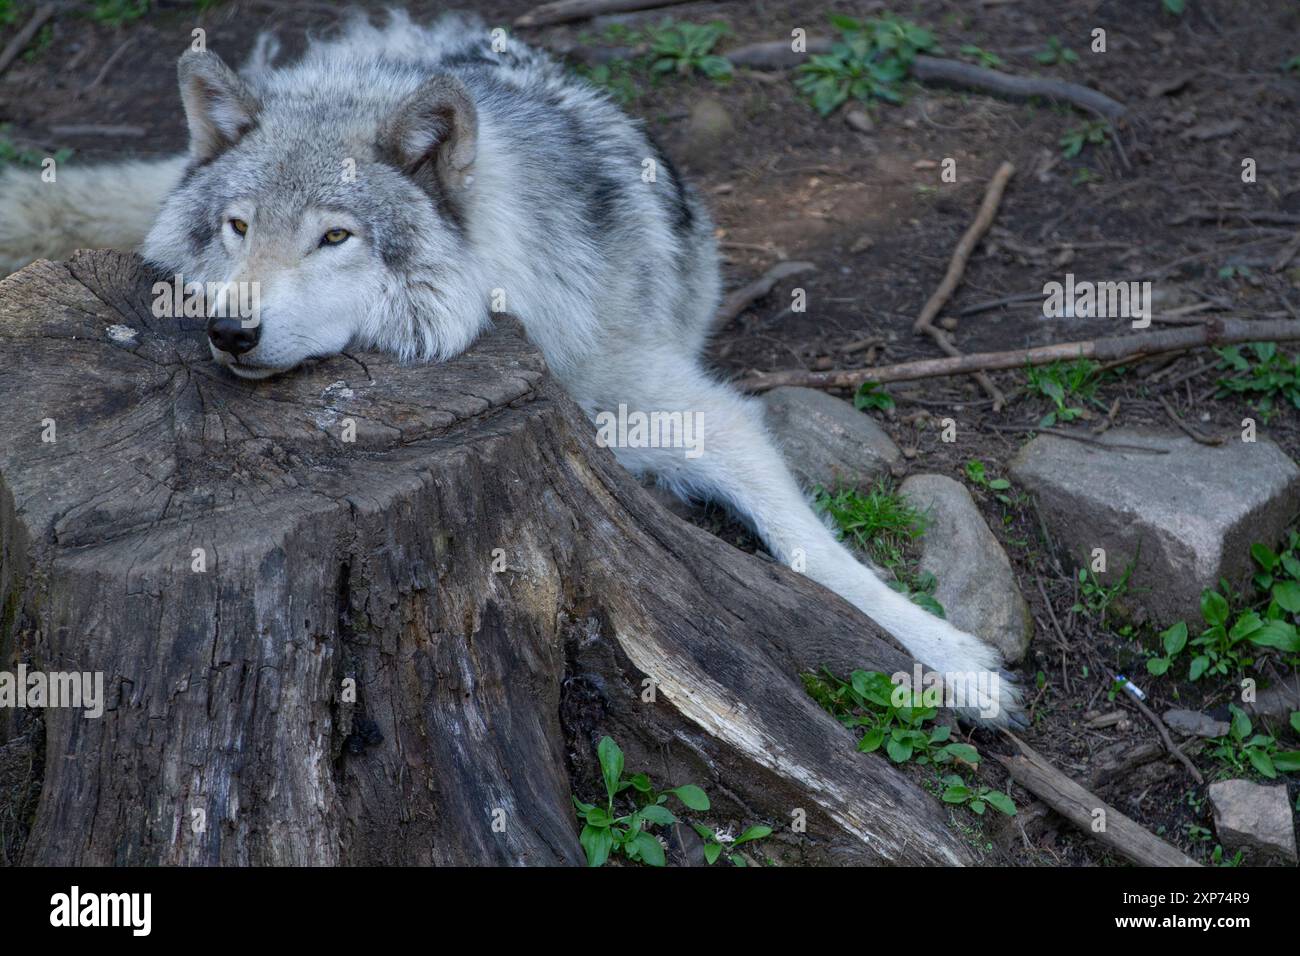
pixel 396 184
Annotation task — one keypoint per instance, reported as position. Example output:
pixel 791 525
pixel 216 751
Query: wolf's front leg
pixel 47 214
pixel 735 463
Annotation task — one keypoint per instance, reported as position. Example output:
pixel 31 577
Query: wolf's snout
pixel 229 335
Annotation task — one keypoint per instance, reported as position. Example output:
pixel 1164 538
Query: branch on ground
pixel 1142 345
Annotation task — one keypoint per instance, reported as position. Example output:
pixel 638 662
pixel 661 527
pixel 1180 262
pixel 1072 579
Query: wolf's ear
pixel 219 106
pixel 433 137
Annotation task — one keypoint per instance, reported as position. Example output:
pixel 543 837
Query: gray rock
pixel 1276 701
pixel 709 128
pixel 1248 816
pixel 976 585
pixel 1195 511
pixel 1191 723
pixel 825 440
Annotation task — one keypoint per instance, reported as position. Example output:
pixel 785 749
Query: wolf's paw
pixel 1002 704
pixel 984 692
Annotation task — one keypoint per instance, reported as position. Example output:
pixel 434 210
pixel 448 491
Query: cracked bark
pixel 480 694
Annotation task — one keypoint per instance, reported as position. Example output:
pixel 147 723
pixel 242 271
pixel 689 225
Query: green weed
pixel 1240 746
pixel 869 61
pixel 606 832
pixel 1270 378
pixel 1064 383
pixel 883 524
pixel 1055 53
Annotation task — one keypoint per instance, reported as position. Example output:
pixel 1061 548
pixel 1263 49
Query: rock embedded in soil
pixel 1194 511
pixel 1248 816
pixel 708 129
pixel 1276 701
pixel 976 585
pixel 1192 723
pixel 826 441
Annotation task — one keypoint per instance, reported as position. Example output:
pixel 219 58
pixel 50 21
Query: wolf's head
pixel 333 202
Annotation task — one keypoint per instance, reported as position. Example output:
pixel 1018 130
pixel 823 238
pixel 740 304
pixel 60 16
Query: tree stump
pixel 498 591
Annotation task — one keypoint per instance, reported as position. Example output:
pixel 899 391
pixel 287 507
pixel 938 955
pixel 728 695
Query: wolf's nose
pixel 229 335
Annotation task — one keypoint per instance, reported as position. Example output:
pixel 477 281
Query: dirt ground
pixel 1204 90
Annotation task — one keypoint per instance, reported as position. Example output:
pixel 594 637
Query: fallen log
pixel 777 55
pixel 566 11
pixel 936 70
pixel 1214 332
pixel 374 613
pixel 1089 812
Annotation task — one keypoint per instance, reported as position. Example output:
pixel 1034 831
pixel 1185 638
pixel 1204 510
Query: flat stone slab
pixel 1194 510
pixel 976 585
pixel 1248 816
pixel 826 441
pixel 1192 723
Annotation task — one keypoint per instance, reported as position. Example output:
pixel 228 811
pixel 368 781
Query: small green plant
pixel 1096 598
pixel 117 12
pixel 8 13
pixel 978 475
pixel 1172 641
pixel 1240 746
pixel 1062 382
pixel 1271 378
pixel 956 790
pixel 605 832
pixel 872 395
pixel 11 152
pixel 866 702
pixel 1175 7
pixel 1223 650
pixel 981 56
pixel 684 48
pixel 1091 133
pixel 617 77
pixel 882 523
pixel 896 719
pixel 715 842
pixel 1055 53
pixel 869 61
pixel 1216 857
pixel 1291 65
pixel 1268 621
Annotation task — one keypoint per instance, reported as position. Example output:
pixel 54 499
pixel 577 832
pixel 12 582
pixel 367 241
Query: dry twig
pixel 1218 331
pixel 957 268
pixel 741 299
pixel 25 35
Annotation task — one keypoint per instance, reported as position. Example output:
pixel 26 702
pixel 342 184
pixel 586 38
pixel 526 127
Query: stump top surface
pixel 146 426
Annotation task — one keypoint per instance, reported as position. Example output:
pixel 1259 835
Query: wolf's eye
pixel 334 237
pixel 239 226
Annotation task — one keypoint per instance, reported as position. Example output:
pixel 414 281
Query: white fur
pixel 95 207
pixel 595 329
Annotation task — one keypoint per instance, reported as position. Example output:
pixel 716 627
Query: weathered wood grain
pixel 480 693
